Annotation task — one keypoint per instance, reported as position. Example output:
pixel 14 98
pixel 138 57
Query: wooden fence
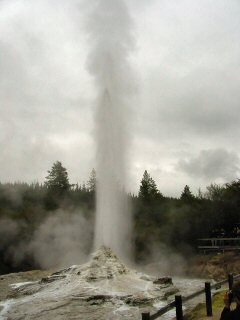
pixel 218 244
pixel 179 300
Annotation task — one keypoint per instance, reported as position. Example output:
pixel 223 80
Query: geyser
pixel 111 39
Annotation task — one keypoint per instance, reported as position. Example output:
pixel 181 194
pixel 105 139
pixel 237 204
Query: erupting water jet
pixel 112 42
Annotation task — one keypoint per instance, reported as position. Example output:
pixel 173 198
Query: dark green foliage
pixel 158 220
pixel 92 182
pixel 215 192
pixel 148 212
pixel 23 207
pixel 57 180
pixel 58 186
pixel 178 223
pixel 232 192
pixel 187 195
pixel 148 188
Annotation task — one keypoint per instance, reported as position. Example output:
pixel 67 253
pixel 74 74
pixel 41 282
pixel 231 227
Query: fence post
pixel 146 316
pixel 230 281
pixel 178 305
pixel 208 299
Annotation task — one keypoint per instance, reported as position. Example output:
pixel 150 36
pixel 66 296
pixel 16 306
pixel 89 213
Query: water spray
pixel 112 42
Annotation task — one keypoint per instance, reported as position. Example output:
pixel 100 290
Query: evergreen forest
pixel 157 219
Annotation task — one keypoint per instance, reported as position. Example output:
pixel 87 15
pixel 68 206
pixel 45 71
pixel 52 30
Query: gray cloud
pixel 45 109
pixel 212 164
pixel 191 81
pixel 196 105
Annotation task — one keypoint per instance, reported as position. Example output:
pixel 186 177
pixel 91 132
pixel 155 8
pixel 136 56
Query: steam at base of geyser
pixel 110 36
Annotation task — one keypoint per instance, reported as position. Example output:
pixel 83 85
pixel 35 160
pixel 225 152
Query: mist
pixel 62 240
pixel 164 260
pixel 9 230
pixel 110 38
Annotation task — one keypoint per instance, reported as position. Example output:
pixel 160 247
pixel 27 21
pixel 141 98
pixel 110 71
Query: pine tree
pixel 187 195
pixel 57 180
pixel 148 188
pixel 91 184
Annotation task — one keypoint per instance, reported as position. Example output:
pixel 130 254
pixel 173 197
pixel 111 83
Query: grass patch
pixel 199 312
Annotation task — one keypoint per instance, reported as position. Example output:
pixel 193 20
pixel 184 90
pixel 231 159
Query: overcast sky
pixel 185 116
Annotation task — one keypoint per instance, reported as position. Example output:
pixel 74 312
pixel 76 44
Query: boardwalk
pixel 218 244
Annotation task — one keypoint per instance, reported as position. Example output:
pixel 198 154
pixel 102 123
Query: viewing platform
pixel 218 244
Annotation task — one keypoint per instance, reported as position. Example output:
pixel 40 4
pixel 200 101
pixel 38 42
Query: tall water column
pixel 111 43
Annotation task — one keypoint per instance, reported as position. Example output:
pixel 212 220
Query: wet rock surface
pixel 103 288
pixel 164 280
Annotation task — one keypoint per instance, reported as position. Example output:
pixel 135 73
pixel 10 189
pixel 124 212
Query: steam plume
pixel 112 42
pixel 61 240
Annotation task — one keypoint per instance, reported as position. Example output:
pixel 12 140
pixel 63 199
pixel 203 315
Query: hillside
pixel 215 266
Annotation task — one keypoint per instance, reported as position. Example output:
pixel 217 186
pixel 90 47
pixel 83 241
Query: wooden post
pixel 146 316
pixel 178 305
pixel 208 299
pixel 230 281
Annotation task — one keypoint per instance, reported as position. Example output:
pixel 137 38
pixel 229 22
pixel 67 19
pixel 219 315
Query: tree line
pixel 157 219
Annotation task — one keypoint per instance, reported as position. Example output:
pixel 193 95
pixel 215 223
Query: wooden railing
pixel 179 300
pixel 218 244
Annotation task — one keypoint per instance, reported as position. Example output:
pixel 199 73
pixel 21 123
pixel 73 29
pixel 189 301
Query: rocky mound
pixel 104 264
pixel 103 288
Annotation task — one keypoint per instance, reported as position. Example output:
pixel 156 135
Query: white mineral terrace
pixel 104 288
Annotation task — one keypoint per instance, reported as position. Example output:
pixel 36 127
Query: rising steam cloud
pixel 111 41
pixel 63 239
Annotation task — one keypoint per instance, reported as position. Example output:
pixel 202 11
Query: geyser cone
pixel 103 288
